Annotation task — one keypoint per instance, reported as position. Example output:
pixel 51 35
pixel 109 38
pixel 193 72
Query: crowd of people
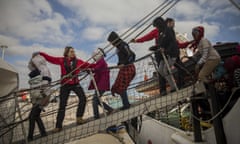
pixel 166 51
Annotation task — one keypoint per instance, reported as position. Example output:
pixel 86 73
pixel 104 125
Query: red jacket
pixel 149 36
pixel 154 35
pixel 60 61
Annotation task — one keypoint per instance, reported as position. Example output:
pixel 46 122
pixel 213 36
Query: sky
pixel 28 26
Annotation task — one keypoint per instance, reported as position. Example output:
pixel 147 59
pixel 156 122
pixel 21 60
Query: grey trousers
pixel 163 70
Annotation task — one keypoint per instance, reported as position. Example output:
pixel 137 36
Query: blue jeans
pixel 96 102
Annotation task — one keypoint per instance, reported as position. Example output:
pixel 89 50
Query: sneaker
pixel 80 120
pixel 57 130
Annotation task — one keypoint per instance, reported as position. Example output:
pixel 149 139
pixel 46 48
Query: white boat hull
pixel 155 132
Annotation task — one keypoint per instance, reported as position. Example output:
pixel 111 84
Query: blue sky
pixel 27 26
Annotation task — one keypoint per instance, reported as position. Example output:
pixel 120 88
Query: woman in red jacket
pixel 68 63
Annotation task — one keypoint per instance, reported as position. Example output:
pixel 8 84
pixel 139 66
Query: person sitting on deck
pixel 127 71
pixel 102 79
pixel 40 76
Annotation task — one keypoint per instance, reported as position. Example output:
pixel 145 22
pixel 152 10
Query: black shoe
pixel 163 93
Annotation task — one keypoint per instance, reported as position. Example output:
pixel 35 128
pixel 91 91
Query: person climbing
pixel 209 57
pixel 102 79
pixel 167 46
pixel 127 71
pixel 40 76
pixel 181 69
pixel 154 34
pixel 70 68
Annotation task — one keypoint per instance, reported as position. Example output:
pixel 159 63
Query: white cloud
pixel 9 41
pixel 233 28
pixel 33 20
pixel 43 29
pixel 113 12
pixel 211 30
pixel 93 33
pixel 188 10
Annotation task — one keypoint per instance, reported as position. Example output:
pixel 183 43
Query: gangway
pixel 73 132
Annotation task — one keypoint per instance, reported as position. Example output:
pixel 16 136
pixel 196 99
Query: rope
pixel 157 12
pixel 146 18
pixel 235 4
pixel 78 132
pixel 220 112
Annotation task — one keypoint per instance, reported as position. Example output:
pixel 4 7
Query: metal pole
pixel 98 94
pixel 169 70
pixel 217 122
pixel 3 50
pixel 20 116
pixel 196 124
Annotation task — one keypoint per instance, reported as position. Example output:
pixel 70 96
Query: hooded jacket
pixel 101 76
pixel 125 54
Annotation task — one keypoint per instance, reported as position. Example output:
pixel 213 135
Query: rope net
pixel 143 94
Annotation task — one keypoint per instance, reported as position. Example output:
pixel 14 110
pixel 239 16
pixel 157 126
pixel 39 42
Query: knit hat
pixel 98 54
pixel 113 38
pixel 198 33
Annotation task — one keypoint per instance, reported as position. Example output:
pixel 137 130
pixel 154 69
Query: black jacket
pixel 167 40
pixel 125 54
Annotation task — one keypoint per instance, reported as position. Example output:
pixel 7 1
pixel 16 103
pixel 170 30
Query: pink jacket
pixel 101 76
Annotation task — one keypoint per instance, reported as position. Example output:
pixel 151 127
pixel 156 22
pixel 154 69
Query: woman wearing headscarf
pixel 102 79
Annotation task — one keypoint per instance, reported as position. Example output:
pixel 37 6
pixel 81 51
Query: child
pixel 40 76
pixel 101 77
pixel 127 71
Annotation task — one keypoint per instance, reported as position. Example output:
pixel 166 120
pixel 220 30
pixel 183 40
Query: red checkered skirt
pixel 125 76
